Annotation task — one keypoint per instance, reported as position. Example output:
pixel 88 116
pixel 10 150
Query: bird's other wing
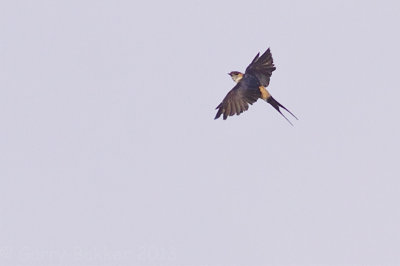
pixel 237 100
pixel 262 67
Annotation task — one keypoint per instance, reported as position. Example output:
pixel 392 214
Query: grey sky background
pixel 110 154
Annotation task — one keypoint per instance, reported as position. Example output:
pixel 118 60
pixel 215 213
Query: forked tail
pixel 276 105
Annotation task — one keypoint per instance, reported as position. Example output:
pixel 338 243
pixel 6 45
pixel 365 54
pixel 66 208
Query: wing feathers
pixel 237 101
pixel 262 67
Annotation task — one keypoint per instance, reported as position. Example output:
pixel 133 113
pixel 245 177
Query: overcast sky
pixel 110 154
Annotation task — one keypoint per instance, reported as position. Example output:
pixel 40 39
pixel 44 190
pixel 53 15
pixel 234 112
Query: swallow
pixel 251 86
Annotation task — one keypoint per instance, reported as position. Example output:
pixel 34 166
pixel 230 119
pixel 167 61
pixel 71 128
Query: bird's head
pixel 236 76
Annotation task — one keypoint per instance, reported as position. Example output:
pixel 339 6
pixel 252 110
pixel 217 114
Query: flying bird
pixel 250 87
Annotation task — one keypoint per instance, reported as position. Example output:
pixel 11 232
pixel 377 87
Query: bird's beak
pixel 229 74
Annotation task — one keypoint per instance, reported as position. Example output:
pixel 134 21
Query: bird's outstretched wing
pixel 237 100
pixel 262 67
